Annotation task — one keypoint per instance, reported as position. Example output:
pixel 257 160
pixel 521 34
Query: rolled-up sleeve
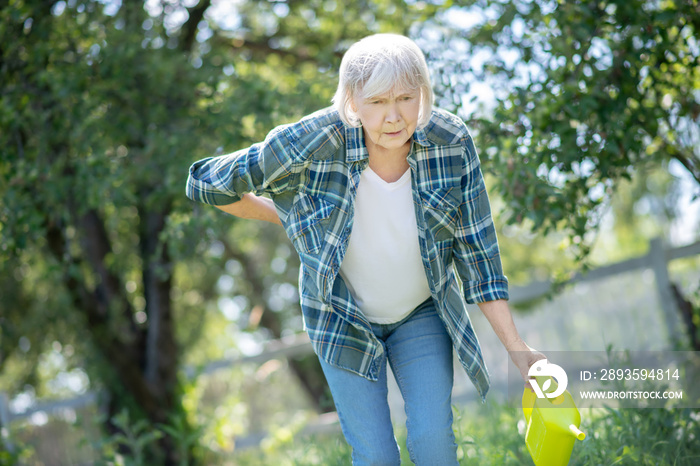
pixel 476 253
pixel 263 167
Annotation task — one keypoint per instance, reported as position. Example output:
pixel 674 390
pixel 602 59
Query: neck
pixel 389 165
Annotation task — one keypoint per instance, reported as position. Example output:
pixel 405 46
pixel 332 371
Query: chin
pixel 394 145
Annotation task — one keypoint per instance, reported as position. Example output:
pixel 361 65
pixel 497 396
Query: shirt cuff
pixel 206 192
pixel 486 290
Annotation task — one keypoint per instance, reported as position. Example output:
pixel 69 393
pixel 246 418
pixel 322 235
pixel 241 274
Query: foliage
pixel 103 261
pixel 495 440
pixel 8 458
pixel 493 434
pixel 641 436
pixel 326 449
pixel 130 444
pixel 110 275
pixel 587 93
pixel 134 436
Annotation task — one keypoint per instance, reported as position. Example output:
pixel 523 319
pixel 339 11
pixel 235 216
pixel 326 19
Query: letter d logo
pixel 544 368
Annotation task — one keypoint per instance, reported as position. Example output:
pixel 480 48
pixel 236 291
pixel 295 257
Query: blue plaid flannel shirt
pixel 311 170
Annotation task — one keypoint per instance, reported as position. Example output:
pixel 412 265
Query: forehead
pixel 388 94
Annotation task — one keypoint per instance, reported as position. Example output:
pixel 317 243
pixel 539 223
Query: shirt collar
pixel 355 140
pixel 420 136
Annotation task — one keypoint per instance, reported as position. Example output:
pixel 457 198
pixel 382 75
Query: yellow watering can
pixel 552 426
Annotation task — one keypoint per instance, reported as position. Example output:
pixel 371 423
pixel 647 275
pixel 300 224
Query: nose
pixel 392 114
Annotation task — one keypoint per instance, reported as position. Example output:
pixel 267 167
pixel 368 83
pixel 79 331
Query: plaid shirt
pixel 311 170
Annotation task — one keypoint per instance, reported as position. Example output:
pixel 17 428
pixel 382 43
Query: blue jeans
pixel 420 353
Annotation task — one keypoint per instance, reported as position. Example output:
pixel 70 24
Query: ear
pixel 354 99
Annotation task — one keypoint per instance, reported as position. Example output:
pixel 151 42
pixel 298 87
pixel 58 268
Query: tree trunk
pixel 688 311
pixel 307 369
pixel 142 362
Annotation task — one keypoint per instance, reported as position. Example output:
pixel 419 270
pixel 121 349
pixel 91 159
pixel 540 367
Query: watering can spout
pixel 577 432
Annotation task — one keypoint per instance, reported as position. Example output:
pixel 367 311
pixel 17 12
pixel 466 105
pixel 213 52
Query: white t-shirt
pixel 382 267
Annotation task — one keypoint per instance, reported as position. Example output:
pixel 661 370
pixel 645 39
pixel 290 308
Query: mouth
pixel 396 133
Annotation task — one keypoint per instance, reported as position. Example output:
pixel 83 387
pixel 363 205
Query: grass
pixel 493 434
pixel 489 434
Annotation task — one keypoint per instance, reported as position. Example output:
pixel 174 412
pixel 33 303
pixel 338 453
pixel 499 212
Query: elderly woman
pixel 383 198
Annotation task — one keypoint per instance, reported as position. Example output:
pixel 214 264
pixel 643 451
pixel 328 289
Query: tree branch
pixel 690 162
pixel 189 29
pixel 262 48
pixel 687 159
pixel 253 277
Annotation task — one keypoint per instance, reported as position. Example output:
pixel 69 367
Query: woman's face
pixel 388 120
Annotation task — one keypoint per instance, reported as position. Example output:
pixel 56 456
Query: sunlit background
pixel 139 328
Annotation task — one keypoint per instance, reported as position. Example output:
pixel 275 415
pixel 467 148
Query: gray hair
pixel 379 64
